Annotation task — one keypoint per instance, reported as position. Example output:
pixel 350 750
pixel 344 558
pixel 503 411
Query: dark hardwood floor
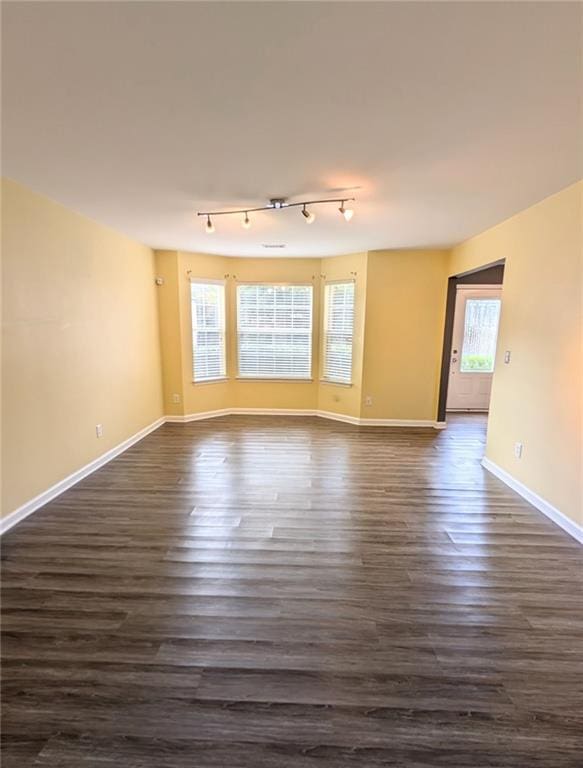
pixel 261 592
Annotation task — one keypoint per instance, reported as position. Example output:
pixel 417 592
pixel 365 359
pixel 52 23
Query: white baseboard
pixel 399 423
pixel 425 423
pixel 198 416
pixel 338 417
pixel 272 412
pixel 564 522
pixel 309 412
pixel 51 493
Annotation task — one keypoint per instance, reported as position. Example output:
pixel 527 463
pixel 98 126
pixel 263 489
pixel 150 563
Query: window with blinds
pixel 338 331
pixel 208 330
pixel 274 331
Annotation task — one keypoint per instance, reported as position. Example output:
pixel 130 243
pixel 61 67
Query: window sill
pixel 336 383
pixel 274 379
pixel 210 381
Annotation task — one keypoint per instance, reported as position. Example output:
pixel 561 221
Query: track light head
pixel 309 215
pixel 348 213
pixel 246 221
pixel 210 227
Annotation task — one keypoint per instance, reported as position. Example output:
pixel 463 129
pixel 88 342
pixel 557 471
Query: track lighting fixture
pixel 309 215
pixel 278 204
pixel 348 213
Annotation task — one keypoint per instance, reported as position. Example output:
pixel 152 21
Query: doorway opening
pixel 475 334
pixel 470 337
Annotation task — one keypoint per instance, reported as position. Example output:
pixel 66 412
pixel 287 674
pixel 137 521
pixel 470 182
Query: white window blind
pixel 274 331
pixel 208 330
pixel 338 331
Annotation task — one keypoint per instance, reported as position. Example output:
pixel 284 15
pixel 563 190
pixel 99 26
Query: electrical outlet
pixel 99 430
pixel 176 399
pixel 368 400
pixel 518 447
pixel 507 357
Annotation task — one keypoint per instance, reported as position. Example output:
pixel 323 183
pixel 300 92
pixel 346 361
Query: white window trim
pixel 209 281
pixel 324 379
pixel 216 379
pixel 273 380
pixel 332 383
pixel 278 283
pixel 202 382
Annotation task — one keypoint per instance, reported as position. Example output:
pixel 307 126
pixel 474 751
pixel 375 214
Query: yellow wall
pixel 80 342
pixel 176 333
pixel 166 265
pixel 536 399
pixel 84 323
pixel 272 394
pixel 405 310
pixel 396 361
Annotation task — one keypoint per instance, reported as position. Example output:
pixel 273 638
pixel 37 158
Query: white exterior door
pixel 473 351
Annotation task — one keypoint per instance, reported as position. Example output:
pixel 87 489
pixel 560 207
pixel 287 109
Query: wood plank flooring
pixel 261 592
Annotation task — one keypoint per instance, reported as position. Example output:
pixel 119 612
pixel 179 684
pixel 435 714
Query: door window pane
pixel 480 335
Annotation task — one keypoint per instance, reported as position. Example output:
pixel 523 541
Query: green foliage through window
pixel 483 363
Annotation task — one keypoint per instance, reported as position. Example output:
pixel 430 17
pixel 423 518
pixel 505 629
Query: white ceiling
pixel 444 118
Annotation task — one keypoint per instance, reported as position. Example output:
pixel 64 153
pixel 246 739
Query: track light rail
pixel 277 204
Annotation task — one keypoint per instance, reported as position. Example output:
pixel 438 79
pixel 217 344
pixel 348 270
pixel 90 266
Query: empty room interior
pixel 292 382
